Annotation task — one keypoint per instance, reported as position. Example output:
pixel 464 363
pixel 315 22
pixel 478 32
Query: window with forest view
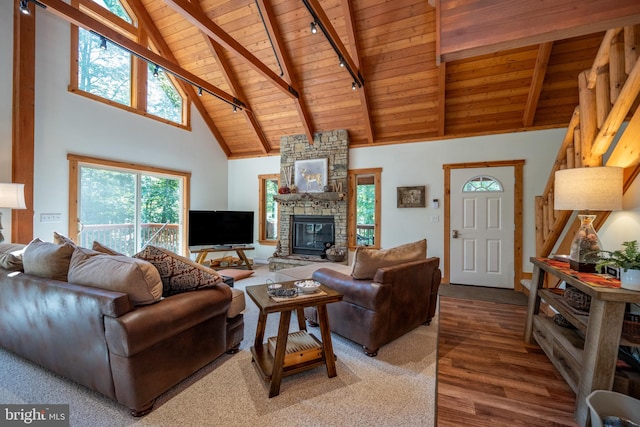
pixel 128 209
pixel 364 207
pixel 268 208
pixel 107 71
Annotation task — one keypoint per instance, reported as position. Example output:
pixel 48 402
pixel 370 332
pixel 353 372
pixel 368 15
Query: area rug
pixel 396 388
pixel 237 274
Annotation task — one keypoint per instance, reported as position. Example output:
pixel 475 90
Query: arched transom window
pixel 482 183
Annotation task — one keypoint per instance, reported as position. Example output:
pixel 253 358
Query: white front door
pixel 482 227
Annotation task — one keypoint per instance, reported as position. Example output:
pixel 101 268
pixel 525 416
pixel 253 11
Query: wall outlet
pixel 435 218
pixel 50 217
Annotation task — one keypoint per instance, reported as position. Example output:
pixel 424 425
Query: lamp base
pixel 582 267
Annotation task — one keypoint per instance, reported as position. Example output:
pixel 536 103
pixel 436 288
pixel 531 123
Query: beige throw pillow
pixel 48 260
pixel 367 261
pixel 97 246
pixel 178 273
pixel 11 256
pixel 134 277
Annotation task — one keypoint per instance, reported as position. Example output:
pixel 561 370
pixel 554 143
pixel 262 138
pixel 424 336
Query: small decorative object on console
pixel 308 286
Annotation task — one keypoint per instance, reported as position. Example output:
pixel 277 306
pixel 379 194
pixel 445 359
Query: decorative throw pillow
pixel 96 246
pixel 11 256
pixel 60 239
pixel 367 261
pixel 178 273
pixel 135 277
pixel 45 259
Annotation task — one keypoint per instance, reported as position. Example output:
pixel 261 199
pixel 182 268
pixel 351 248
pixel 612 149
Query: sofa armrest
pixel 150 324
pixel 364 293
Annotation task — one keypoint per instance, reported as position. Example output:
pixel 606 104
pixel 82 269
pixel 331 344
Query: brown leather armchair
pixel 375 312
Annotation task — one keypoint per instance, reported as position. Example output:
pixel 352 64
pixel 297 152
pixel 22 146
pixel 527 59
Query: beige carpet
pixel 396 388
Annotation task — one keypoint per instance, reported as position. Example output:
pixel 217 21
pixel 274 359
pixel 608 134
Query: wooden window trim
pixel 352 205
pixel 262 226
pixel 74 167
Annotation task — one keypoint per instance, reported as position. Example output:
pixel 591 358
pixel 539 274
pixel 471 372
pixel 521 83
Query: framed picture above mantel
pixel 310 176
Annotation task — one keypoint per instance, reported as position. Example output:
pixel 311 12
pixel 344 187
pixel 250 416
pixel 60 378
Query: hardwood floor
pixel 488 376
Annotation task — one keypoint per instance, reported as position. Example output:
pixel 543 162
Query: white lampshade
pixel 12 196
pixel 590 188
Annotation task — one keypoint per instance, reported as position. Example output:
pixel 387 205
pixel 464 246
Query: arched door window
pixel 482 183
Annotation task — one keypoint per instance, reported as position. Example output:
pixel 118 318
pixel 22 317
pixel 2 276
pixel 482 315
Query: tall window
pixel 364 207
pixel 268 209
pixel 108 73
pixel 125 207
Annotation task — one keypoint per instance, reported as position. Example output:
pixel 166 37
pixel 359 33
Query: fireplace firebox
pixel 312 234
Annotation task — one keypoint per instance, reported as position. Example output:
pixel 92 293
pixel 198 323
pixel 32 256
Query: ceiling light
pixel 199 91
pixel 103 43
pixel 314 28
pixel 156 71
pixel 235 108
pixel 341 61
pixel 24 7
pixel 354 86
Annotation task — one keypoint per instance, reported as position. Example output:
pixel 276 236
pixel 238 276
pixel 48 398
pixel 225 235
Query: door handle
pixel 454 234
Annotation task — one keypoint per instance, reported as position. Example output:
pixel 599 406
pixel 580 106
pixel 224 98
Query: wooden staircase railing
pixel 608 94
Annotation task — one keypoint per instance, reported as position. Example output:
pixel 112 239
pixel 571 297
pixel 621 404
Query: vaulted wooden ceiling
pixel 263 54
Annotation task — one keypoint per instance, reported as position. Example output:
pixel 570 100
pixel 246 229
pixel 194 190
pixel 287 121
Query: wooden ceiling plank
pixel 353 41
pixel 201 21
pixel 285 62
pixel 602 57
pixel 154 34
pixel 442 99
pixel 619 112
pixel 539 72
pixel 76 17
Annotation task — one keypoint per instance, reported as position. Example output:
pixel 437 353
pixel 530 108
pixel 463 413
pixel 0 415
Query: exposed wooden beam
pixel 627 150
pixel 76 17
pixel 539 71
pixel 23 120
pixel 154 34
pixel 202 21
pixel 353 41
pixel 285 63
pixel 619 112
pixel 507 24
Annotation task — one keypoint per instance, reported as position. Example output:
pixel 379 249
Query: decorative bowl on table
pixel 307 286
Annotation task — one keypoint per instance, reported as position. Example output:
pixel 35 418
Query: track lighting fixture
pixel 235 108
pixel 341 61
pixel 103 43
pixel 24 7
pixel 199 91
pixel 156 71
pixel 314 28
pixel 354 86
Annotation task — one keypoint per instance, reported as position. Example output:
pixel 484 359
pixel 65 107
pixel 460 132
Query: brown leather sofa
pixel 99 339
pixel 375 312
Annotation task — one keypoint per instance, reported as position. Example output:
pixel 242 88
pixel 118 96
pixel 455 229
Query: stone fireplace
pixel 323 208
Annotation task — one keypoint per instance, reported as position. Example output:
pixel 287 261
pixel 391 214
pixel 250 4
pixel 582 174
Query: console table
pixel 204 251
pixel 586 356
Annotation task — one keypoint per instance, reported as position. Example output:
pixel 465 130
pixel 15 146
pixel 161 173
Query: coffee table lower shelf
pixel 264 361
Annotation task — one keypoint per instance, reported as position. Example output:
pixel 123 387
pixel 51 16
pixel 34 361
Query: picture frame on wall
pixel 310 176
pixel 412 197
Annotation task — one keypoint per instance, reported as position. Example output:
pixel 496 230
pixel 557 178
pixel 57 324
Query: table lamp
pixel 11 197
pixel 585 189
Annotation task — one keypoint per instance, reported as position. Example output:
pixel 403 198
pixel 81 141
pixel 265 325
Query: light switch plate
pixel 50 217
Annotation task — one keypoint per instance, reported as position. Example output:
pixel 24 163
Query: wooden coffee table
pixel 272 368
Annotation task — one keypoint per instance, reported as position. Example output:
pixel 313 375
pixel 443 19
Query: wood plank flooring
pixel 488 376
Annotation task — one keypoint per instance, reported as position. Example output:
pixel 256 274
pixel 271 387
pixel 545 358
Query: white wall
pixel 421 164
pixel 69 123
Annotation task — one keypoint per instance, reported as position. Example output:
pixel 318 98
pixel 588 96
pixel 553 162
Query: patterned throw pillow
pixel 179 274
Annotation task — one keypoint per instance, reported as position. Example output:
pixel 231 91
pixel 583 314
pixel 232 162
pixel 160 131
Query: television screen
pixel 218 228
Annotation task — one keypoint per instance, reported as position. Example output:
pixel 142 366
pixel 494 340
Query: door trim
pixel 518 167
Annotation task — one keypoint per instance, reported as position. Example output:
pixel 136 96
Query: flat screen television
pixel 220 228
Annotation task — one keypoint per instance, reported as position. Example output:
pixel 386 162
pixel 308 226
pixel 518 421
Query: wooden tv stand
pixel 203 251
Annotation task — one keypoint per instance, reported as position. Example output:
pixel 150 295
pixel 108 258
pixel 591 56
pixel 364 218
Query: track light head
pixel 103 43
pixel 342 61
pixel 199 91
pixel 156 71
pixel 24 7
pixel 354 86
pixel 314 28
pixel 235 108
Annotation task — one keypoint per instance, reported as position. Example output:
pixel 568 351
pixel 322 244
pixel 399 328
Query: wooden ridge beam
pixel 539 72
pixel 353 41
pixel 152 31
pixel 285 61
pixel 76 17
pixel 202 21
pixel 602 57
